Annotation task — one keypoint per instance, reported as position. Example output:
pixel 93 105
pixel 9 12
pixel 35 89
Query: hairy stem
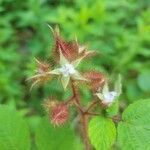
pixel 75 92
pixel 91 106
pixel 84 120
pixel 84 116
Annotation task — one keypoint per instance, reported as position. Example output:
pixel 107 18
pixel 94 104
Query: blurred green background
pixel 118 29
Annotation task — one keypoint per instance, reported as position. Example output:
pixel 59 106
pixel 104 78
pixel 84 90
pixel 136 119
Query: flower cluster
pixel 68 55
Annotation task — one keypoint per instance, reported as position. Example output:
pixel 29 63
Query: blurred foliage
pixel 45 139
pixel 14 131
pixel 119 30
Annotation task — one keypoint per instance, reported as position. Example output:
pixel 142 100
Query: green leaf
pixel 134 130
pixel 49 137
pixel 144 81
pixel 14 132
pixel 102 133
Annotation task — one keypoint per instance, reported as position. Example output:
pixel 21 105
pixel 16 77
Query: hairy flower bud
pixel 71 50
pixel 41 75
pixel 42 67
pixel 96 79
pixel 68 49
pixel 59 114
pixel 48 104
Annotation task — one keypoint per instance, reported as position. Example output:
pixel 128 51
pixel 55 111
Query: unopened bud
pixel 59 114
pixel 96 79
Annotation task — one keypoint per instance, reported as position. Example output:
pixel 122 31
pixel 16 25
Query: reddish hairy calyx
pixel 96 79
pixel 59 114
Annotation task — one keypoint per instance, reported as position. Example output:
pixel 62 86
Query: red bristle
pixel 59 114
pixel 97 79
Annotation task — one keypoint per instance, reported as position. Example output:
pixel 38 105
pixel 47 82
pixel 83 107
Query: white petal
pixel 65 81
pixel 78 76
pixel 100 96
pixel 67 70
pixel 110 96
pixel 76 62
pixel 55 71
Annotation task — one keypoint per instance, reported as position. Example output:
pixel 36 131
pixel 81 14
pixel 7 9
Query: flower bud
pixel 42 67
pixel 68 49
pixel 41 75
pixel 59 114
pixel 96 79
pixel 48 104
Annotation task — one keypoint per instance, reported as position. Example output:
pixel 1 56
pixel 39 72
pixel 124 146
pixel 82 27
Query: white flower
pixel 108 97
pixel 68 70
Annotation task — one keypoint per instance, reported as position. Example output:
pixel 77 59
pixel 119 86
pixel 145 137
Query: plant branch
pixel 84 121
pixel 92 105
pixel 82 114
pixel 92 114
pixel 75 92
pixel 69 100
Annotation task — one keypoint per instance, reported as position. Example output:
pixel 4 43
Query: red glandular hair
pixel 96 79
pixel 59 114
pixel 71 50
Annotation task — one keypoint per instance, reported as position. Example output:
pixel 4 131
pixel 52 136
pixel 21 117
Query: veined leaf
pixel 134 130
pixel 102 133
